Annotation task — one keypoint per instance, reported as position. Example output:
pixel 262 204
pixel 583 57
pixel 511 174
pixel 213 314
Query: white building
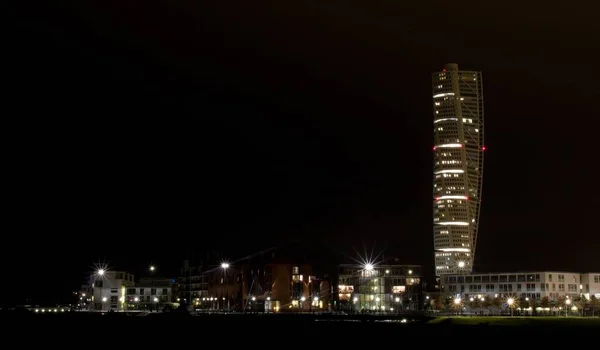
pixel 457 167
pixel 534 285
pixel 149 294
pixel 108 289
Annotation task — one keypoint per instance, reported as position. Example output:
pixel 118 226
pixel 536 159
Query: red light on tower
pixel 443 69
pixel 483 148
pixel 434 148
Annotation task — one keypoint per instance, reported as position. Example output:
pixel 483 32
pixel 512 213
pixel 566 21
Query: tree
pixel 438 303
pixel 545 303
pixel 581 302
pixel 476 304
pixel 594 304
pixel 533 303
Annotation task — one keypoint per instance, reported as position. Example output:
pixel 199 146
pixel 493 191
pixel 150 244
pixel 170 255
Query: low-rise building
pixel 390 287
pixel 108 289
pixel 149 294
pixel 192 283
pixel 533 285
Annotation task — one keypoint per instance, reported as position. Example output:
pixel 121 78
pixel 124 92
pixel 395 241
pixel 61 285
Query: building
pixel 192 283
pixel 274 280
pixel 530 285
pixel 108 289
pixel 379 288
pixel 150 294
pixel 293 287
pixel 457 167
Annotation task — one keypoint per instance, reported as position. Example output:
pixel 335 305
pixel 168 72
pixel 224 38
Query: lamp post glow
pixel 510 302
pixel 101 272
pixel 457 304
pixel 224 266
pixel 369 267
pixel 152 268
pixel 567 303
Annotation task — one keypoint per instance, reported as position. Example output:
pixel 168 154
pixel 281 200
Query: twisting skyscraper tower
pixel 457 167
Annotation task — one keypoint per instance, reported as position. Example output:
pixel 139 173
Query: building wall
pixel 111 286
pixel 590 284
pixel 385 288
pixel 149 294
pixel 552 285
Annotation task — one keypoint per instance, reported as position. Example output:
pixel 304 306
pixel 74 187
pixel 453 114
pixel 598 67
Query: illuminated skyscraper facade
pixel 457 167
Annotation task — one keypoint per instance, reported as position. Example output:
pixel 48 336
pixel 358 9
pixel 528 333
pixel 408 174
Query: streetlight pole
pixel 225 267
pixel 510 303
pixel 152 268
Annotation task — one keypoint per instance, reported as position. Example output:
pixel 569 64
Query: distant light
pixel 461 264
pixel 369 267
pixel 101 272
pixel 152 268
pixel 443 69
pixel 225 265
pixel 434 148
pixel 483 148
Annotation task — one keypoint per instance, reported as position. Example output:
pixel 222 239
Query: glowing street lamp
pixel 461 264
pixel 568 303
pixel 101 272
pixel 369 267
pixel 225 265
pixel 457 304
pixel 510 302
pixel 152 268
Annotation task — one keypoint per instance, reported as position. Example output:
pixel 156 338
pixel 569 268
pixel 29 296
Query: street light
pixel 369 267
pixel 225 265
pixel 101 272
pixel 510 302
pixel 152 268
pixel 568 303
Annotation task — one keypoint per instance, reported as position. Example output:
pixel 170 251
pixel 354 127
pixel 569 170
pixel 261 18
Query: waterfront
pixel 233 330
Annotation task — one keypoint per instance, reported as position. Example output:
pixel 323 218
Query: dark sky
pixel 142 132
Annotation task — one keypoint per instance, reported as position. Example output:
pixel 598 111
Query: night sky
pixel 140 133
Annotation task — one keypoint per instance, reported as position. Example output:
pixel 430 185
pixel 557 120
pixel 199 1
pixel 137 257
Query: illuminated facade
pixel 108 290
pixel 380 288
pixel 457 167
pixel 532 285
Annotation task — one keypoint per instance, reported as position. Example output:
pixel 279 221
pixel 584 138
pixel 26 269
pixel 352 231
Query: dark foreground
pixel 262 330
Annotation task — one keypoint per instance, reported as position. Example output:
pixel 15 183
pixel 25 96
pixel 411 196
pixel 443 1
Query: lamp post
pixel 152 268
pixel 225 267
pixel 457 302
pixel 567 304
pixel 510 303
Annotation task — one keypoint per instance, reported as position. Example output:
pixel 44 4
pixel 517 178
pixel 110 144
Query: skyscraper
pixel 457 167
